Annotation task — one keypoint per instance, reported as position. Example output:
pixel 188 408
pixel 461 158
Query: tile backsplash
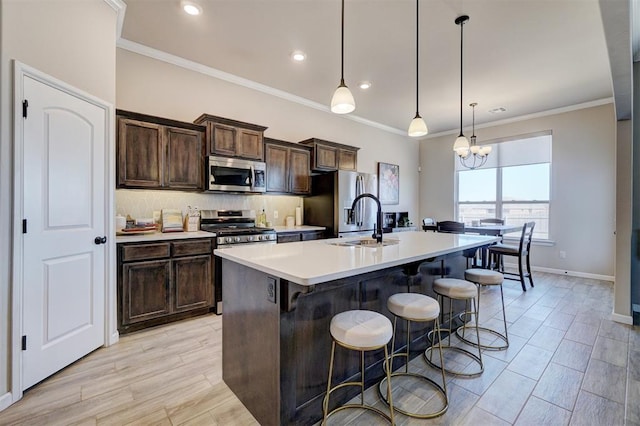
pixel 140 203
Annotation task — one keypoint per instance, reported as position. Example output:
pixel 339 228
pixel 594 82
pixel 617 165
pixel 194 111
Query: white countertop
pixel 314 262
pixel 301 228
pixel 159 236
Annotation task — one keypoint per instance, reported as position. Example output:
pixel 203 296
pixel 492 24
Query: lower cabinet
pixel 290 237
pixel 162 282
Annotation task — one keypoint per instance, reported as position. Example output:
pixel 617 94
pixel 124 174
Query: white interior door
pixel 64 207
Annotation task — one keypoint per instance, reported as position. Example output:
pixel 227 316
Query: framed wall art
pixel 389 183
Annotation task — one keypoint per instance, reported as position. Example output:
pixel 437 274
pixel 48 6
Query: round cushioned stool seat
pixel 484 276
pixel 454 288
pixel 361 329
pixel 413 306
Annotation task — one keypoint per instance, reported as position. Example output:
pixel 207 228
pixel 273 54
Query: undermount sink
pixel 365 242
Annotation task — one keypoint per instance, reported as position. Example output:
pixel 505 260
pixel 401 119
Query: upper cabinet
pixel 329 156
pixel 231 138
pixel 158 153
pixel 287 167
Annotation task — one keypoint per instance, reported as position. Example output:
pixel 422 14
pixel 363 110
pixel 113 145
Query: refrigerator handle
pixel 360 211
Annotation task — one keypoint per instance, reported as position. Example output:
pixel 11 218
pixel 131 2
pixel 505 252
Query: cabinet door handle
pixel 100 240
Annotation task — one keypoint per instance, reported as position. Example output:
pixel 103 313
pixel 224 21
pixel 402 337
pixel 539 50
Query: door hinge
pixel 24 226
pixel 25 105
pixel 24 343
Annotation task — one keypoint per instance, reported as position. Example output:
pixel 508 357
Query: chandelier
pixel 476 155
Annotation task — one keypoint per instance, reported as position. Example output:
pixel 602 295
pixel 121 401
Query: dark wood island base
pixel 276 340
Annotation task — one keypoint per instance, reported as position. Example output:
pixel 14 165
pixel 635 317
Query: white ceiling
pixel 527 56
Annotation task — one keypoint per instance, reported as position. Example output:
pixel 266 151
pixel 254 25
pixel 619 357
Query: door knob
pixel 100 240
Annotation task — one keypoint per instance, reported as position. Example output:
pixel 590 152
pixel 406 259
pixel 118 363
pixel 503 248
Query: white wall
pixel 73 41
pixel 583 186
pixel 153 87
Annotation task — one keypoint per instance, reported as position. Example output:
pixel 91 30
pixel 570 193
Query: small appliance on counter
pixel 172 220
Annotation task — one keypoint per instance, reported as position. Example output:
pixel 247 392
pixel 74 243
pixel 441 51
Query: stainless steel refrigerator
pixel 331 199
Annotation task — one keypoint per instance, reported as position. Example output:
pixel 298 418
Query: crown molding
pixel 159 55
pixel 120 7
pixel 532 116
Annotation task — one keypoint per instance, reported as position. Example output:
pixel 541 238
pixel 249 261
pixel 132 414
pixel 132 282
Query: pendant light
pixel 461 145
pixel 417 127
pixel 342 101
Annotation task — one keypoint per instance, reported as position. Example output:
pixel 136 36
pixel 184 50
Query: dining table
pixel 484 229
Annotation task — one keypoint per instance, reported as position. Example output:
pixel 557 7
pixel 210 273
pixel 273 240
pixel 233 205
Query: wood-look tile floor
pixel 567 363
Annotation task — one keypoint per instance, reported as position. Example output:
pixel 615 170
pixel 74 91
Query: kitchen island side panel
pixel 250 340
pixel 276 355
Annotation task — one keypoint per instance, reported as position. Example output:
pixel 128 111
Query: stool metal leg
pixel 504 337
pixel 442 390
pixel 450 331
pixel 361 384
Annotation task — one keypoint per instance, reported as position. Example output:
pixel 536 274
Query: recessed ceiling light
pixel 364 85
pixel 298 56
pixel 497 110
pixel 191 8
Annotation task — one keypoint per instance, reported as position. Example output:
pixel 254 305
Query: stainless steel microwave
pixel 236 175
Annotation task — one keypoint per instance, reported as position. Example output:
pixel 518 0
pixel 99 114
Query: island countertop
pixel 314 262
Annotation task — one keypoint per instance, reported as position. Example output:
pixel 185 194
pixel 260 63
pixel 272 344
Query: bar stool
pixel 456 289
pixel 362 331
pixel 417 308
pixel 488 278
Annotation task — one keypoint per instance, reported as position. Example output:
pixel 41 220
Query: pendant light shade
pixel 417 127
pixel 461 145
pixel 342 101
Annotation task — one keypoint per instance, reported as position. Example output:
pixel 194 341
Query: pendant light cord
pixel 342 48
pixel 461 68
pixel 417 58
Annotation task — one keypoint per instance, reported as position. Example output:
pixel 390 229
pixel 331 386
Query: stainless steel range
pixel 232 228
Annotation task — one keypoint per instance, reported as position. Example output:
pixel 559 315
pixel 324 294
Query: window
pixel 513 185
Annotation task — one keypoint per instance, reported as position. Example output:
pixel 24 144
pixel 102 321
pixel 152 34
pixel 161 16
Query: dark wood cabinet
pixel 161 282
pixel 329 156
pixel 158 153
pixel 232 138
pixel 288 167
pixel 290 237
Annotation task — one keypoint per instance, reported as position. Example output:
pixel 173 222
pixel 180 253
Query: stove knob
pixel 229 239
pixel 264 237
pixel 237 239
pixel 250 238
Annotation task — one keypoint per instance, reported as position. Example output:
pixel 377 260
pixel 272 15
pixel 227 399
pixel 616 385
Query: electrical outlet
pixel 271 289
pixel 275 214
pixel 563 254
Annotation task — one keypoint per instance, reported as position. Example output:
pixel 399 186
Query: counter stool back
pixel 359 330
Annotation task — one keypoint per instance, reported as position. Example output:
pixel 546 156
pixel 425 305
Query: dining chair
pixel 522 251
pixel 453 227
pixel 491 221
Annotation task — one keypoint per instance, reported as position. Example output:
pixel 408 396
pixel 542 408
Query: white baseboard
pixel 623 319
pixel 569 273
pixel 113 338
pixel 6 400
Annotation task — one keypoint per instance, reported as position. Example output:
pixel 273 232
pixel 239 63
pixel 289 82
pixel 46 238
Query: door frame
pixel 21 70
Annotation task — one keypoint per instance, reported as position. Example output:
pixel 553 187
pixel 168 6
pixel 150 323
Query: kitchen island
pixel 279 300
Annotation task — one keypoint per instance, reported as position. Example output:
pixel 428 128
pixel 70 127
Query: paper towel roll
pixel 298 216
